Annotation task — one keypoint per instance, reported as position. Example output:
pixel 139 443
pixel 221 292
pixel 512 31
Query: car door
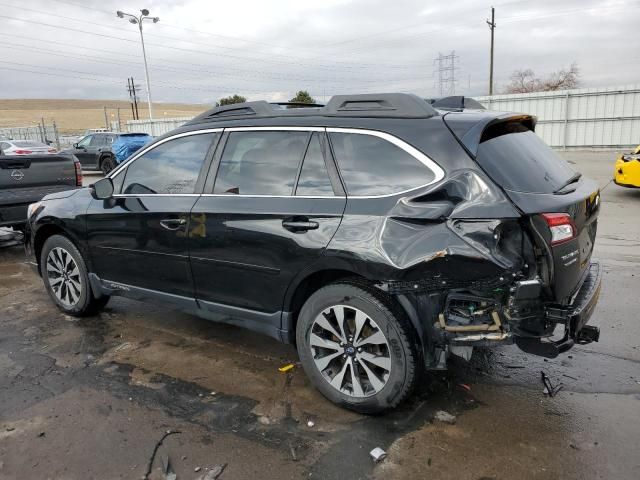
pixel 83 151
pixel 138 238
pixel 266 217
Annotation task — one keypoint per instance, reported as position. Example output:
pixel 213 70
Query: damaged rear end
pixel 521 273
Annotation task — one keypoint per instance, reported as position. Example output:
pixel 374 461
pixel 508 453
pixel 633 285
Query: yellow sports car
pixel 627 173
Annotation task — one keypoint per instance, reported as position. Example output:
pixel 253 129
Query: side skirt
pixel 265 323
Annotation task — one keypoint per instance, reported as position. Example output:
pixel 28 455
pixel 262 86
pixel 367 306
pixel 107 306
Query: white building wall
pixel 580 118
pixel 156 127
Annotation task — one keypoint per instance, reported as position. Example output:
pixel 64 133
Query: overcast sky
pixel 201 50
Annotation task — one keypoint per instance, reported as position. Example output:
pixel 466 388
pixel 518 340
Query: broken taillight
pixel 561 227
pixel 78 167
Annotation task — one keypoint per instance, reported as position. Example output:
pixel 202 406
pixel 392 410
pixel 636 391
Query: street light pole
pixel 146 73
pixel 138 20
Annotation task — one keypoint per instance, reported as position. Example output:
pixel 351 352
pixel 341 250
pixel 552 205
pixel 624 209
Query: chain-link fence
pixel 40 133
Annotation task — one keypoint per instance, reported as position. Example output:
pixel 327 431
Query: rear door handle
pixel 300 226
pixel 173 223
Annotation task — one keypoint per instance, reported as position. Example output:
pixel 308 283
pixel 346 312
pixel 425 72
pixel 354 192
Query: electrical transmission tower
pixel 444 67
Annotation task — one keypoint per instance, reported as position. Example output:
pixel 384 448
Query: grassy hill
pixel 74 116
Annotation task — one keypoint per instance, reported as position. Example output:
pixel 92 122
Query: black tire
pixel 400 351
pixel 107 164
pixel 72 294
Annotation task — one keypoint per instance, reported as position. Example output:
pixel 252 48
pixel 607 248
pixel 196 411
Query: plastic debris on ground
pixel 445 417
pixel 378 454
pixel 213 473
pixel 286 368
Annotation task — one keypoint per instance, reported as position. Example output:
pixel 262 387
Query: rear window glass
pixel 373 166
pixel 518 160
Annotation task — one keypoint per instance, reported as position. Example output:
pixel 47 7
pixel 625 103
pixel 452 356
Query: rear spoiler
pixel 471 129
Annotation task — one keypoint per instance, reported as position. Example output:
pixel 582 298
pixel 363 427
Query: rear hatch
pixel 560 205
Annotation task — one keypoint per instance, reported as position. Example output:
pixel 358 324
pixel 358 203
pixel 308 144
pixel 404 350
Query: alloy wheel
pixel 63 276
pixel 350 351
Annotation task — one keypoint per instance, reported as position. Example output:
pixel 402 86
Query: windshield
pixel 518 160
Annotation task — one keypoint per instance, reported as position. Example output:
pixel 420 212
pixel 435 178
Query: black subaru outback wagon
pixel 377 233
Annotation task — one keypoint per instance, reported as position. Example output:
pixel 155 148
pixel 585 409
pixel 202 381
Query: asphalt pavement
pixel 91 398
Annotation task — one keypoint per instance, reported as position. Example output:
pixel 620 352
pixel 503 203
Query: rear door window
pixel 314 177
pixel 372 166
pixel 97 141
pixel 517 159
pixel 260 163
pixel 172 167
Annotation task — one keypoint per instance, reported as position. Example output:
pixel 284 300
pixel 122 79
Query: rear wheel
pixel 65 277
pixel 357 347
pixel 107 164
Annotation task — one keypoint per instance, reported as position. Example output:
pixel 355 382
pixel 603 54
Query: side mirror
pixel 102 189
pixel 75 145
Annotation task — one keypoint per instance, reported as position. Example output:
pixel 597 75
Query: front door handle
pixel 300 225
pixel 173 223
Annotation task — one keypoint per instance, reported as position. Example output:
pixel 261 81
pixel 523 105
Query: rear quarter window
pixel 371 165
pixel 517 159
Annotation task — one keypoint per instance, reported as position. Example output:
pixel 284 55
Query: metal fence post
pixel 57 136
pixel 566 120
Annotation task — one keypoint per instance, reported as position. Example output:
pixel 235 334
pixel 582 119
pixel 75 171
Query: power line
pixel 449 26
pixel 270 58
pixel 247 75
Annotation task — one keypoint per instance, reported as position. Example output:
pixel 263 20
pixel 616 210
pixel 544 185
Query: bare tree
pixel 525 81
pixel 562 80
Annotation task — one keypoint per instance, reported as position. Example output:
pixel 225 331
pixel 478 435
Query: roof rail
pixel 259 108
pixel 398 105
pixel 380 105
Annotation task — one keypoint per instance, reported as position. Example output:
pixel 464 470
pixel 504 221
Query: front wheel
pixel 64 273
pixel 357 347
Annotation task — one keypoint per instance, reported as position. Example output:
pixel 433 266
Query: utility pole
pixel 133 97
pixel 130 91
pixel 492 26
pixel 106 119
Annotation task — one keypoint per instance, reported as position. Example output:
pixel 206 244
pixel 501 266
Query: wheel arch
pixel 301 290
pixel 313 281
pixel 46 231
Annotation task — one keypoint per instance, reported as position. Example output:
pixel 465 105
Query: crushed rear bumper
pixel 574 317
